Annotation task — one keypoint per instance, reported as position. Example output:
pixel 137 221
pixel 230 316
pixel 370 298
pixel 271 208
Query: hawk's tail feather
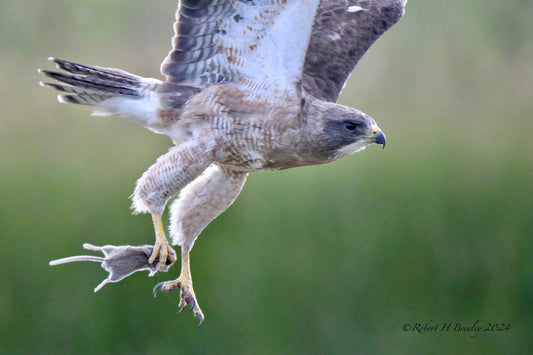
pixel 106 74
pixel 91 85
pixel 79 95
pixel 111 92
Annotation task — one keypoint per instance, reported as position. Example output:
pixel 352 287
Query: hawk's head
pixel 339 131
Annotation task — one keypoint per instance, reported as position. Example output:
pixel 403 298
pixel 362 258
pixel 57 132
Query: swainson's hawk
pixel 250 86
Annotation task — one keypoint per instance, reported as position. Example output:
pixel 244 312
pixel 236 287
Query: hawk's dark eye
pixel 350 125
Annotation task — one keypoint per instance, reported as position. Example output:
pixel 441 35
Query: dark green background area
pixel 436 228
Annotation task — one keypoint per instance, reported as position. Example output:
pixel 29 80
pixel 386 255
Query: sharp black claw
pixel 169 262
pixel 187 299
pixel 192 302
pixel 157 287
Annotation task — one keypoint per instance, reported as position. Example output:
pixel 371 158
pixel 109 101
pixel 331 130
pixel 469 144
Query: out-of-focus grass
pixel 328 259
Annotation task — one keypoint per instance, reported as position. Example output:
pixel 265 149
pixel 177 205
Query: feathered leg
pixel 170 173
pixel 199 203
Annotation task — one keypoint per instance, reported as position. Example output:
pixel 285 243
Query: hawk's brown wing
pixel 342 33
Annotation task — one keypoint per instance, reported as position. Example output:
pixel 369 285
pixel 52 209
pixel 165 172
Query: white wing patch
pixel 258 46
pixel 355 8
pixel 269 53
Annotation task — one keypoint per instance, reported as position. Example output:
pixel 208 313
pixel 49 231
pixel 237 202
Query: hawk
pixel 250 86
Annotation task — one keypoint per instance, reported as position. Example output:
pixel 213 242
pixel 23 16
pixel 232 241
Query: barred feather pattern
pixel 114 92
pixel 257 45
pixel 171 173
pixel 90 85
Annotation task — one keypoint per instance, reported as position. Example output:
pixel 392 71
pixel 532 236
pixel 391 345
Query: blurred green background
pixel 436 228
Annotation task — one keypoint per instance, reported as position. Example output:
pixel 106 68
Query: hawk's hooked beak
pixel 377 136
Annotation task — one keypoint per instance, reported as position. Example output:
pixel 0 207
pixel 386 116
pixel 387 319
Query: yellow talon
pixel 184 283
pixel 162 249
